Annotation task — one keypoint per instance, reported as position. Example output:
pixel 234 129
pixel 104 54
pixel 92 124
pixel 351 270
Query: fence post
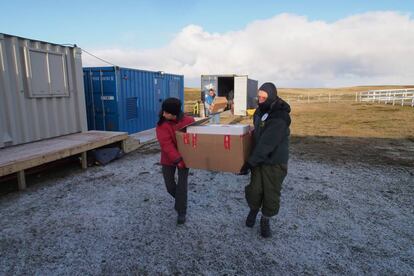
pixel 308 97
pixel 403 98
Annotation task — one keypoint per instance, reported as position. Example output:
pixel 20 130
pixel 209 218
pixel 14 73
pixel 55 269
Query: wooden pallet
pixel 19 158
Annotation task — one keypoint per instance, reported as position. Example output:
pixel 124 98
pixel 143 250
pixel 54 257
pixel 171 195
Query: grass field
pixel 347 130
pixel 348 118
pixel 353 120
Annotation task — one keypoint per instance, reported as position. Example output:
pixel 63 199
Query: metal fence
pixel 403 97
pixel 392 96
pixel 319 98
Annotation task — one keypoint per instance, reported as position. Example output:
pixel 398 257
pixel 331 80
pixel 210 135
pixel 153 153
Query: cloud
pixel 291 50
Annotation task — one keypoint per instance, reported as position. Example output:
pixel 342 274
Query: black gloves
pixel 245 169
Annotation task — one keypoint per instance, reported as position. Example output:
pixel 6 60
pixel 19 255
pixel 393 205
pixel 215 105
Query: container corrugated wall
pixel 41 88
pixel 124 99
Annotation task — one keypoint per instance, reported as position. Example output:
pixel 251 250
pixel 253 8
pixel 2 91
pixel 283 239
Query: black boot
pixel 265 227
pixel 251 218
pixel 181 219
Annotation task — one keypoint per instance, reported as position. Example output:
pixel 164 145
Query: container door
pixel 89 102
pixel 252 93
pixel 160 93
pixel 104 100
pixel 240 95
pixel 131 100
pixel 174 87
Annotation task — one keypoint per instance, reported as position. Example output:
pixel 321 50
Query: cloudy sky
pixel 299 44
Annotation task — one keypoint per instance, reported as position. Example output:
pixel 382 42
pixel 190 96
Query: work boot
pixel 251 218
pixel 181 219
pixel 265 227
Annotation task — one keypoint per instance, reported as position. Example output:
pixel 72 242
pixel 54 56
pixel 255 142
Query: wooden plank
pixel 130 144
pixel 144 136
pixel 124 145
pixel 26 156
pixel 21 180
pixel 84 160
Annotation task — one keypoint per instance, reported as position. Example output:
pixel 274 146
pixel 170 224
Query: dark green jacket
pixel 271 136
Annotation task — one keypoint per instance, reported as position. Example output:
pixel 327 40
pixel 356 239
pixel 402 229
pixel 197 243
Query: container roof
pixel 57 44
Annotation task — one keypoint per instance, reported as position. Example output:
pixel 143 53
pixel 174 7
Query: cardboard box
pixel 216 152
pixel 219 104
pixel 237 129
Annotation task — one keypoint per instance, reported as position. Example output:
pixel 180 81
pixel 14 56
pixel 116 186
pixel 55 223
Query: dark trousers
pixel 265 187
pixel 177 190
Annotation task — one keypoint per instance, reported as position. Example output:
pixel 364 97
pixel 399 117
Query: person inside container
pixel 209 102
pixel 268 159
pixel 171 118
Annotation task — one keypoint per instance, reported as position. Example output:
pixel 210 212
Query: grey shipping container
pixel 243 89
pixel 41 89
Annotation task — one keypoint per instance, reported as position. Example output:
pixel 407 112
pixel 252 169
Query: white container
pixel 41 90
pixel 243 89
pixel 237 129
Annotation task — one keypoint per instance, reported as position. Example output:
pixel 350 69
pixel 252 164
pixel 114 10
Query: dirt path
pixel 336 218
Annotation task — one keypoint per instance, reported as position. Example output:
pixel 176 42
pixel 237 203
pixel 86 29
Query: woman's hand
pixel 181 165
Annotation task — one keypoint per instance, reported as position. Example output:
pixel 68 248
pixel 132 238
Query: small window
pixel 48 74
pixel 40 75
pixel 57 74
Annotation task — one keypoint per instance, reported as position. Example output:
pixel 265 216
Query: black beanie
pixel 271 90
pixel 172 106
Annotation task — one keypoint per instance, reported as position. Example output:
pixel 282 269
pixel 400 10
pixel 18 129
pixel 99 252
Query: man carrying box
pixel 269 157
pixel 208 101
pixel 214 107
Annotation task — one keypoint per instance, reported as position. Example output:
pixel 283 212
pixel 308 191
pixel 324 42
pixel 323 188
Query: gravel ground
pixel 118 219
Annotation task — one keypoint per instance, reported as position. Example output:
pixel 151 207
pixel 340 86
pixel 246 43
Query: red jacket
pixel 168 142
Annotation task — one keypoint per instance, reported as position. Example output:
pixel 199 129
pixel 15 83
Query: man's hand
pixel 245 169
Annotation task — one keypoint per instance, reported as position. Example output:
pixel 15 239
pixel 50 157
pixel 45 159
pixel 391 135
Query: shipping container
pixel 41 89
pixel 239 87
pixel 125 99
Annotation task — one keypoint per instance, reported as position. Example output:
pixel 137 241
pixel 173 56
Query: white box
pixel 237 129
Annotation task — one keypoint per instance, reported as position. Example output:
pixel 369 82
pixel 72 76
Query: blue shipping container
pixel 124 99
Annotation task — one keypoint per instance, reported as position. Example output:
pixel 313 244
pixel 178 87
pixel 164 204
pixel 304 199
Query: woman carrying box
pixel 172 119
